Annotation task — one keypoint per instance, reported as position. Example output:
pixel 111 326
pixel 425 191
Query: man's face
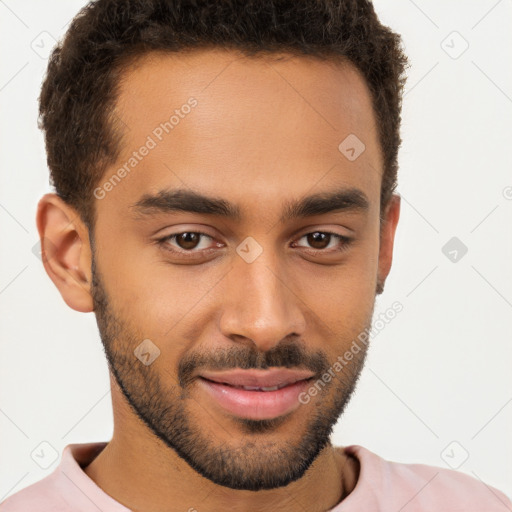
pixel 259 134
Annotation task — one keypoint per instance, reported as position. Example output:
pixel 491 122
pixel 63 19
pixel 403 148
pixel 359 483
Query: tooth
pixel 256 388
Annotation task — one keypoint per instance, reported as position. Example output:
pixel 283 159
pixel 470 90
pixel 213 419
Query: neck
pixel 143 477
pixel 139 471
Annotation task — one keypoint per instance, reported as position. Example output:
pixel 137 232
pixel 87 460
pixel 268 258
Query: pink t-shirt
pixel 382 486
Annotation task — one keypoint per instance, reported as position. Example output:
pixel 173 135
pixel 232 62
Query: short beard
pixel 251 462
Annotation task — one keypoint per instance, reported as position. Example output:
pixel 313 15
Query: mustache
pixel 249 358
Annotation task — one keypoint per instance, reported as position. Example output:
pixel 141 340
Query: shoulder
pixel 66 488
pixel 420 487
pixel 41 496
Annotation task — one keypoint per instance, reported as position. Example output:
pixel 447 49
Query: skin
pixel 265 131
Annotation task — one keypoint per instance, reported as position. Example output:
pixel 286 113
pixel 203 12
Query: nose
pixel 260 303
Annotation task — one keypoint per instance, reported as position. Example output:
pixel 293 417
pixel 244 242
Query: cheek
pixel 342 297
pixel 166 303
pixel 343 308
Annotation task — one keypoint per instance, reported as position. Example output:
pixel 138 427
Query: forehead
pixel 222 123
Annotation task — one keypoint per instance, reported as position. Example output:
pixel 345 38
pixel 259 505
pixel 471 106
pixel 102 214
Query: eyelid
pixel 197 253
pixel 172 236
pixel 343 244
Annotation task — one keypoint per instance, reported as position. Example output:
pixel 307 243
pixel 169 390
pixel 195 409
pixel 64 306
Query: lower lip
pixel 256 405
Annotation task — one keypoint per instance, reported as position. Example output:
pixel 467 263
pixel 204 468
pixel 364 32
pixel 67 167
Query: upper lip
pixel 258 378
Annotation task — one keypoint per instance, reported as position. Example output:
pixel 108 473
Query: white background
pixel 440 372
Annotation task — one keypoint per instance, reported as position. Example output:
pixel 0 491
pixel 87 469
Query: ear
pixel 389 222
pixel 65 251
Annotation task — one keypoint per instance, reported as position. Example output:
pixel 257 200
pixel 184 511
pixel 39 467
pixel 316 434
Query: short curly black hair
pixel 79 92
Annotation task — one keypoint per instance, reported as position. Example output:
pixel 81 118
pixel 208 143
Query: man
pixel 225 176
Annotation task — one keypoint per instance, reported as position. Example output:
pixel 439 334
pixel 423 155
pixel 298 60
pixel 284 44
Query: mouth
pixel 256 394
pixel 252 388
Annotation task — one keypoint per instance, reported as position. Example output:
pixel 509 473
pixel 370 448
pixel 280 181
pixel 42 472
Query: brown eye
pixel 186 243
pixel 187 240
pixel 318 240
pixel 325 242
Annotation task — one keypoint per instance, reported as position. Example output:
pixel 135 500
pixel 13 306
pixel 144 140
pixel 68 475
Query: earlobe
pixel 65 251
pixel 387 238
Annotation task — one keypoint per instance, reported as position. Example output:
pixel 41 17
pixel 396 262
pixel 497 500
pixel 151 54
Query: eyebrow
pixel 182 200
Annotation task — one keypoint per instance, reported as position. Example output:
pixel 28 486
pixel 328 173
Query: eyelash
pixel 163 242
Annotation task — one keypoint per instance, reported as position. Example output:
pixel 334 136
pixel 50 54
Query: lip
pixel 258 378
pixel 255 404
